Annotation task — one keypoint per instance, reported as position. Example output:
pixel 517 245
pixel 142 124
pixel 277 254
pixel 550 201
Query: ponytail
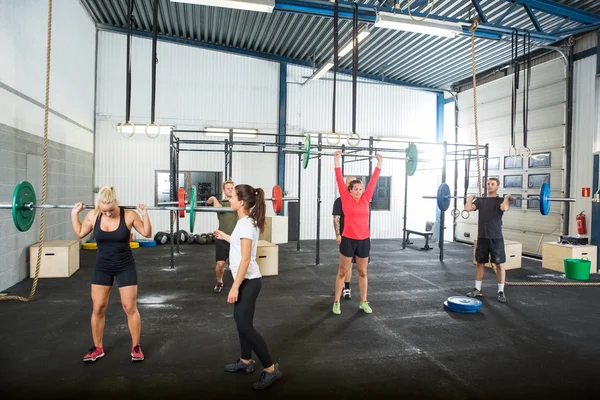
pixel 254 202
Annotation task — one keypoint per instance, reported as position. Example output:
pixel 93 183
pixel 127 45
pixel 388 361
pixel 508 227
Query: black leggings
pixel 243 313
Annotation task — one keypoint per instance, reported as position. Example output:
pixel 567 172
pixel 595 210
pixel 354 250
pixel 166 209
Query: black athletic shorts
pixel 353 247
pixel 222 250
pixel 124 277
pixel 490 247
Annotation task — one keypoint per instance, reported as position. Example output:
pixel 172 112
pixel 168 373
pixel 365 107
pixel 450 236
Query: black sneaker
pixel 501 297
pixel 218 287
pixel 239 365
pixel 267 378
pixel 475 293
pixel 347 294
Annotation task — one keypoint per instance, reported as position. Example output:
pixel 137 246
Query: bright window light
pixel 250 5
pixel 402 22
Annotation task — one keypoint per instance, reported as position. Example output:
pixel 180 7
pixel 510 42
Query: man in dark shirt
pixel 338 224
pixel 489 236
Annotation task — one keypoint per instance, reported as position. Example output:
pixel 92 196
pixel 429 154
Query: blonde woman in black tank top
pixel 114 261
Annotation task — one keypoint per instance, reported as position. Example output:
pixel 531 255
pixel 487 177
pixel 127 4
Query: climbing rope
pixel 45 165
pixel 472 29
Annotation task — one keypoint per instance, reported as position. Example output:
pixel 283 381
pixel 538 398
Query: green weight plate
pixel 23 217
pixel 306 151
pixel 412 159
pixel 191 208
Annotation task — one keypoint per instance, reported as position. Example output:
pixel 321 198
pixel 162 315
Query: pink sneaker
pixel 136 353
pixel 93 354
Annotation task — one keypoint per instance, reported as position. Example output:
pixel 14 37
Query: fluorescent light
pixel 406 23
pixel 224 132
pixel 363 33
pixel 346 48
pixel 250 5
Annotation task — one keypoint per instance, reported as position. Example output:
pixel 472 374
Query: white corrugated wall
pixel 546 133
pixel 195 89
pixel 198 88
pixel 585 119
pixel 382 110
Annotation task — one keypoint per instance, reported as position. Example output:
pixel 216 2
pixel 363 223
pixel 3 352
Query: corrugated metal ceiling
pixel 307 39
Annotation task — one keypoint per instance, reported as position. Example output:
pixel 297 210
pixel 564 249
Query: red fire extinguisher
pixel 581 227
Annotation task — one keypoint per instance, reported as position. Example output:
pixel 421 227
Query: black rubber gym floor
pixel 543 343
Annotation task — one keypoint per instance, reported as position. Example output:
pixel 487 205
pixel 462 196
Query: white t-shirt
pixel 244 229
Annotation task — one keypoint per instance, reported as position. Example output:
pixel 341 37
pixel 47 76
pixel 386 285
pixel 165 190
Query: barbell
pixel 276 200
pixel 443 198
pixel 412 155
pixel 24 205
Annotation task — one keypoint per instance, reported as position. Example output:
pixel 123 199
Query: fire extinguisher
pixel 581 227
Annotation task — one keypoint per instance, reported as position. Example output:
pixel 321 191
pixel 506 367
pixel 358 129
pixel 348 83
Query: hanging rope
pixel 472 29
pixel 45 166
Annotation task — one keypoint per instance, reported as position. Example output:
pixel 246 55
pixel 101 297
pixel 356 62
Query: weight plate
pixel 147 243
pixel 412 159
pixel 544 196
pixel 443 199
pixel 89 246
pixel 450 307
pixel 276 199
pixel 23 217
pixel 191 207
pixel 181 202
pixel 134 245
pixel 464 302
pixel 307 146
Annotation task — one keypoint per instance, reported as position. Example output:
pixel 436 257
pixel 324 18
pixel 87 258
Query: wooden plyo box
pixel 554 254
pixel 276 230
pixel 513 250
pixel 267 257
pixel 60 258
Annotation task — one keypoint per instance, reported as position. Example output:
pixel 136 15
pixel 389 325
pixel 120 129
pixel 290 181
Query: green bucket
pixel 576 268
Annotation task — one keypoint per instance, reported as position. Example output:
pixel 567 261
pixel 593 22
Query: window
pixel 536 180
pixel 513 181
pixel 539 160
pixel 381 195
pixel 207 184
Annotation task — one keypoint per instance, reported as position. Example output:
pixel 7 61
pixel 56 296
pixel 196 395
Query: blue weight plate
pixel 464 302
pixel 544 202
pixel 450 307
pixel 443 199
pixel 147 243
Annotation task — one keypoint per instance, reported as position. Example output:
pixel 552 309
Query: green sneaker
pixel 365 307
pixel 336 308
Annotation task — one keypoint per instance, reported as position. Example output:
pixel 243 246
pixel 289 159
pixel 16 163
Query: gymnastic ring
pixel 462 214
pixel 128 131
pixel 511 153
pixel 455 213
pixel 525 152
pixel 152 130
pixel 330 134
pixel 357 140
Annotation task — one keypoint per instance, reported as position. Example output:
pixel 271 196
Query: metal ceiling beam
pixel 257 54
pixel 367 13
pixel 480 12
pixel 533 18
pixel 560 10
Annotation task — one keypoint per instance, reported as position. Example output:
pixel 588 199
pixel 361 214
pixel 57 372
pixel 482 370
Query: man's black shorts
pixel 124 277
pixel 490 247
pixel 222 250
pixel 353 247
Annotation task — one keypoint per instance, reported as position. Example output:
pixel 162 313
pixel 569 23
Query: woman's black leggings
pixel 243 313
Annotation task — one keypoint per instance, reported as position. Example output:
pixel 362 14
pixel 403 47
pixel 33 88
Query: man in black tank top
pixel 489 236
pixel 112 225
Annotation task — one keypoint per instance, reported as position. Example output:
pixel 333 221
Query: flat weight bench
pixel 426 235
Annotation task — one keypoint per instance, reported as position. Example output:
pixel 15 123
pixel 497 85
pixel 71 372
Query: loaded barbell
pixel 443 198
pixel 412 155
pixel 24 205
pixel 276 200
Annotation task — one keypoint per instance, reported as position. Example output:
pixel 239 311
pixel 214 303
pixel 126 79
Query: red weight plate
pixel 181 200
pixel 276 200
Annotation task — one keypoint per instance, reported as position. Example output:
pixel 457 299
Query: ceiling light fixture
pixel 250 5
pixel 403 22
pixel 224 132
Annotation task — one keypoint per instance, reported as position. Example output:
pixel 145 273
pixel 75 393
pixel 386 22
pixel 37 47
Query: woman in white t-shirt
pixel 249 203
